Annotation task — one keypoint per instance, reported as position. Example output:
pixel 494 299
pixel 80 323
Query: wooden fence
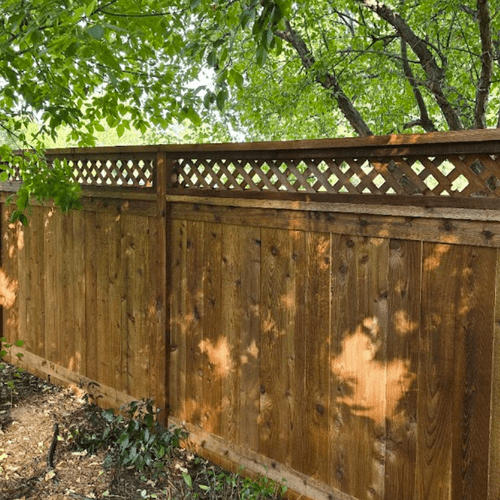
pixel 328 310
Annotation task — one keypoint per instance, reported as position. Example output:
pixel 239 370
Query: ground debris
pixel 29 417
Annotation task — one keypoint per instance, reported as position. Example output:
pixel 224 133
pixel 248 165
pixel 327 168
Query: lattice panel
pixel 126 173
pixel 103 172
pixel 462 176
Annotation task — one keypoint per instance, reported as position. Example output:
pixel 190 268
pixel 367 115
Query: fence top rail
pixel 459 141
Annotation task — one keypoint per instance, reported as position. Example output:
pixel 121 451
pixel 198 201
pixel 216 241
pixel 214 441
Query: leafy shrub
pixel 133 439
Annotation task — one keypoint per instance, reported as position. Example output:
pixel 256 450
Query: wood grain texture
pixel 239 346
pixel 494 424
pixel 194 321
pixel 405 206
pixel 473 368
pixel 115 291
pixel 298 433
pixel 52 351
pixel 103 347
pixel 178 239
pixel 436 372
pixel 213 362
pixel 440 230
pixel 10 294
pixel 141 355
pixel 91 331
pixel 405 259
pixel 359 329
pixel 37 313
pixel 24 292
pixel 78 265
pixel 317 402
pixel 277 370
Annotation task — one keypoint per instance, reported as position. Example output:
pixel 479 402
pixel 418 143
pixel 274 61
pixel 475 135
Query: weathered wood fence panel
pixel 86 299
pixel 289 303
pixel 363 362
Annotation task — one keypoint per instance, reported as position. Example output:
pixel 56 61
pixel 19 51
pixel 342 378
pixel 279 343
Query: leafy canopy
pixel 277 69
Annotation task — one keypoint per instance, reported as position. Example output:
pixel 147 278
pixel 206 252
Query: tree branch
pixel 424 121
pixel 483 88
pixel 434 73
pixel 327 80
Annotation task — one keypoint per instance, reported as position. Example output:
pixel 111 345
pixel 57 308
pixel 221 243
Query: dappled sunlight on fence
pixel 293 303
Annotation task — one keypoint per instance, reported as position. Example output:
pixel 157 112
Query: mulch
pixel 28 415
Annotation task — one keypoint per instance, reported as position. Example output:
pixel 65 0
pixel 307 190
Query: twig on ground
pixel 52 449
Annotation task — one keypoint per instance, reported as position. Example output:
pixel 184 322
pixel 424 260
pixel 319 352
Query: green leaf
pixel 120 130
pixel 4 176
pixel 269 37
pixel 221 99
pixel 193 116
pixel 23 219
pixel 96 31
pixel 237 78
pixel 187 479
pixel 212 59
pixel 89 9
pixel 261 55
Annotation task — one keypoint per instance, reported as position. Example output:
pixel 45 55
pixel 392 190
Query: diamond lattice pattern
pixel 464 176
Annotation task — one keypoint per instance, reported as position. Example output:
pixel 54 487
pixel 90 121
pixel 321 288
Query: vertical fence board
pixel 141 354
pixel 231 312
pixel 436 371
pixel 213 346
pixel 115 294
pixel 126 284
pixel 50 246
pixel 90 295
pixel 79 284
pixel 475 305
pixel 240 333
pixel 405 259
pixel 155 298
pixel 26 288
pixel 178 240
pixel 10 256
pixel 66 287
pixel 298 433
pixel 277 369
pixel 23 275
pixel 103 347
pixel 38 295
pixel 317 354
pixel 494 424
pixel 248 291
pixel 194 318
pixel 359 315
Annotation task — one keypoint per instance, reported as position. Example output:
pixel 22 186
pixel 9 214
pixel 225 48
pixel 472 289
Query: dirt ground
pixel 27 418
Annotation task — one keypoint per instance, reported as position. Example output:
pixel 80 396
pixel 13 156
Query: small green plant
pixel 5 348
pixel 133 439
pixel 221 484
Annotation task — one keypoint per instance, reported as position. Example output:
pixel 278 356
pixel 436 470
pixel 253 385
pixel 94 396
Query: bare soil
pixel 27 418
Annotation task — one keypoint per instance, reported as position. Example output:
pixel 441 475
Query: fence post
pixel 164 169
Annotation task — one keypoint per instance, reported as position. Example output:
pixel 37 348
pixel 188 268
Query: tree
pixel 373 67
pixel 279 68
pixel 75 64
